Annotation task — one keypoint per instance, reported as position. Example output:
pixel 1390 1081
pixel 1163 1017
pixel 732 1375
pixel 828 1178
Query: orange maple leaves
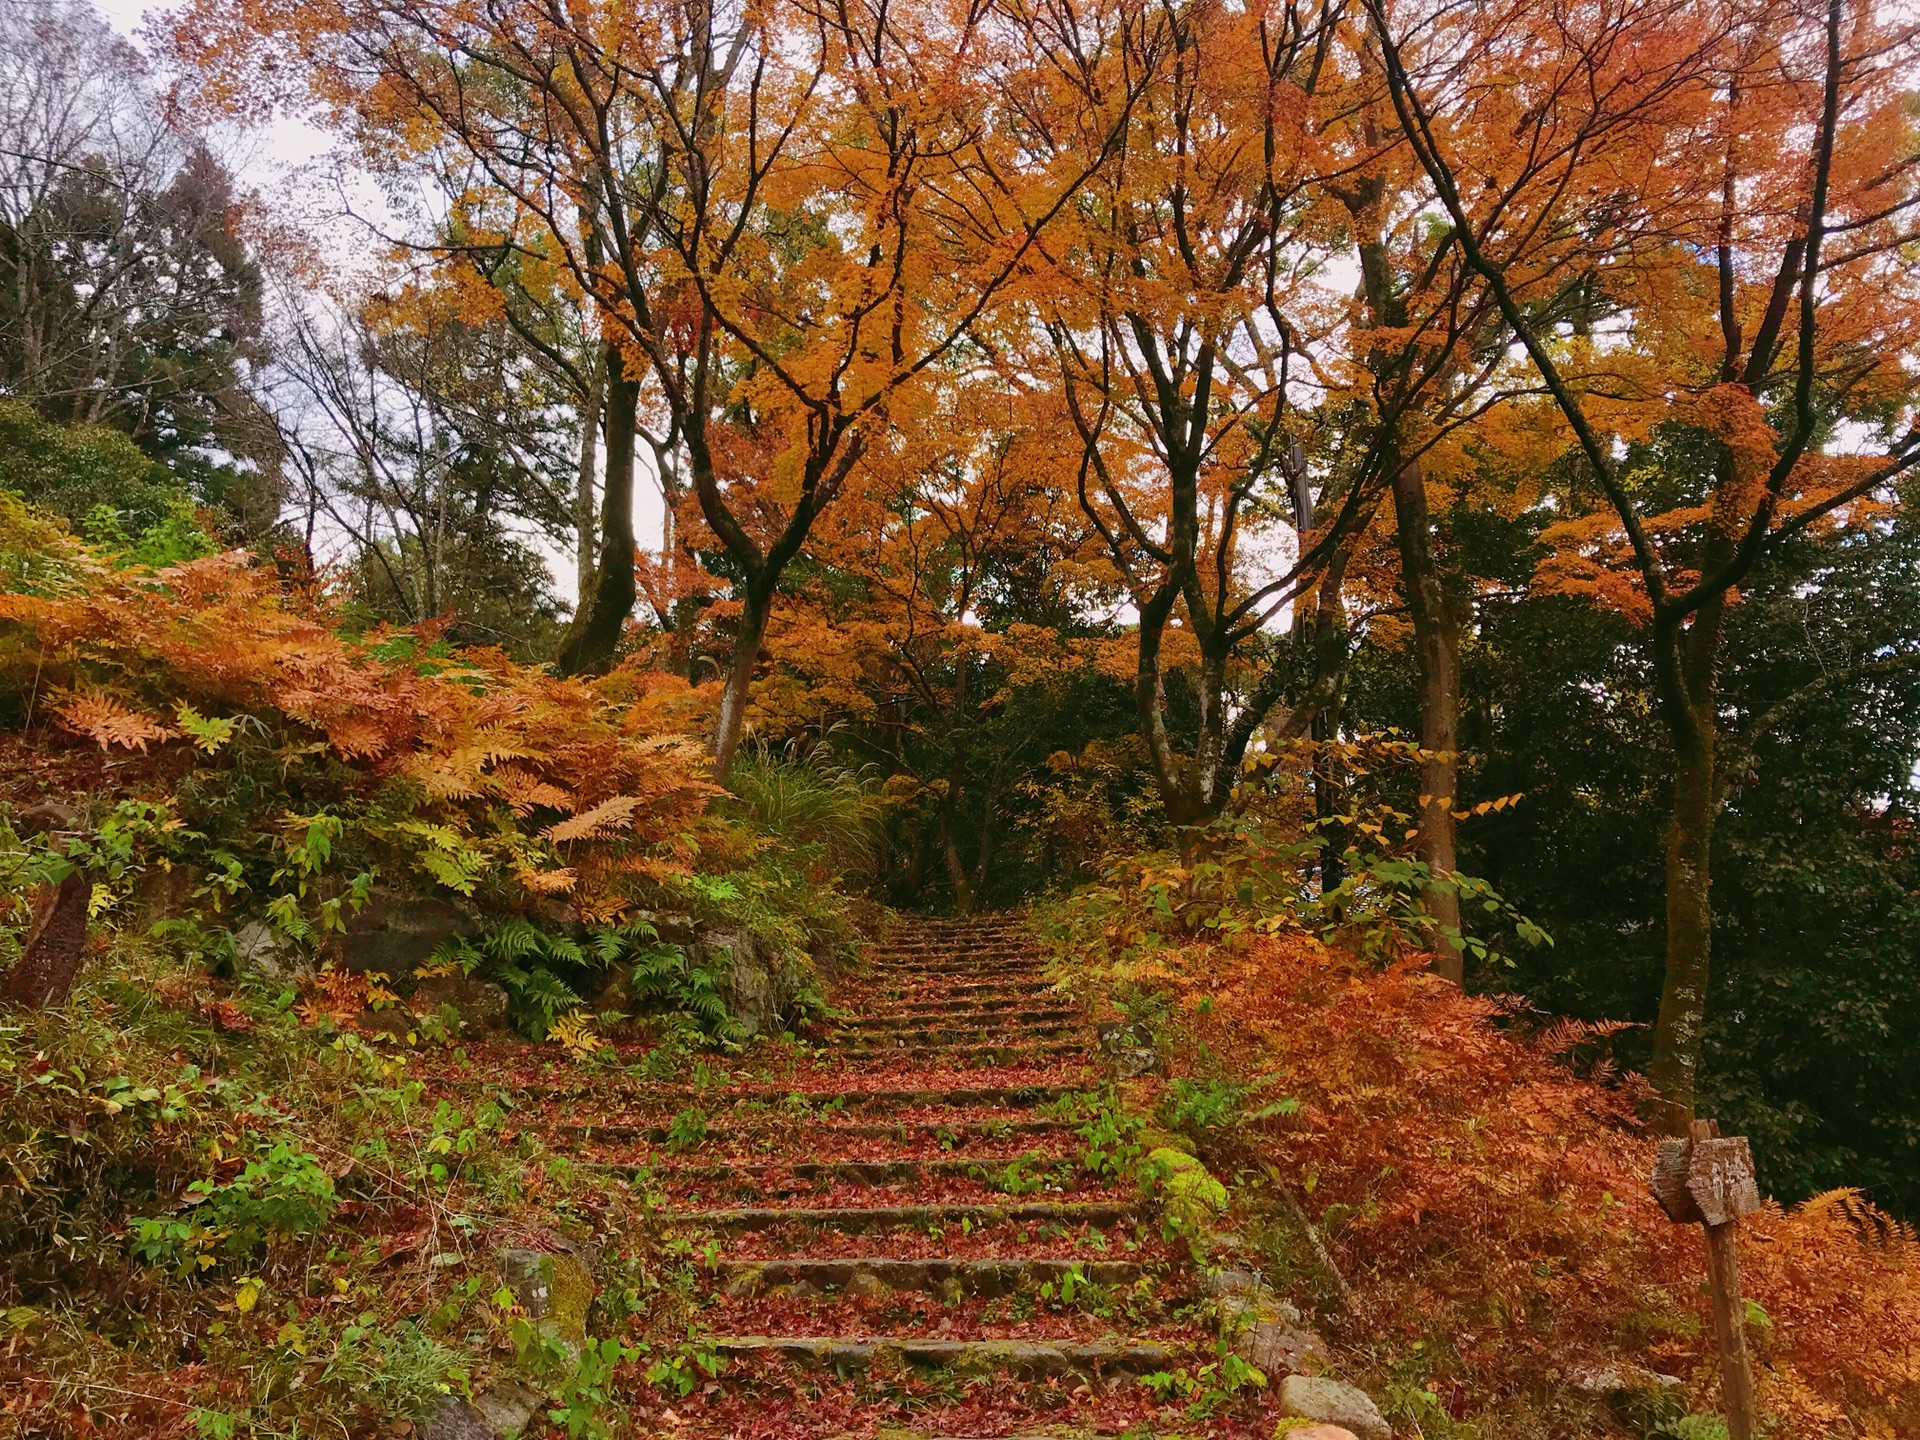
pixel 473 729
pixel 1485 1192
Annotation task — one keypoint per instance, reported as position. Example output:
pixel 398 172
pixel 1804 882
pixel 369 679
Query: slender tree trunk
pixel 595 636
pixel 1436 645
pixel 747 635
pixel 48 966
pixel 1326 804
pixel 1170 768
pixel 956 866
pixel 583 495
pixel 1683 994
pixel 983 861
pixel 1211 786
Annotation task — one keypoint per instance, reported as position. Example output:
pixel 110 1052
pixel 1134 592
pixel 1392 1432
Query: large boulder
pixel 499 1413
pixel 1332 1403
pixel 394 933
pixel 481 1005
pixel 762 979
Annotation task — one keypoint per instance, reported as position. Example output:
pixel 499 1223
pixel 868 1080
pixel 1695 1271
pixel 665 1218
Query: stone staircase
pixel 896 1235
pixel 862 1281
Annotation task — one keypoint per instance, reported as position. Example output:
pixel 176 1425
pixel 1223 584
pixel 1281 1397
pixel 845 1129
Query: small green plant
pixel 545 976
pixel 1195 1106
pixel 687 1130
pixel 282 1191
pixel 400 1368
pixel 1207 1390
pixel 1075 1289
pixel 1110 1144
pixel 1693 1427
pixel 683 1372
pixel 584 1403
pixel 1018 1179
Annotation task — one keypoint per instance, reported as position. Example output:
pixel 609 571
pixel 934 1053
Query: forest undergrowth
pixel 256 1189
pixel 1454 1184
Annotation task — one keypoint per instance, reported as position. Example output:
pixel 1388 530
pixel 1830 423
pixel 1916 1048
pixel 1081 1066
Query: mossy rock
pixel 555 1289
pixel 1190 1196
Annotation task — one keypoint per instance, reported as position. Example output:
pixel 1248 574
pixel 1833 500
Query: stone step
pixel 846 1172
pixel 1010 1033
pixel 918 1009
pixel 951 1279
pixel 876 1098
pixel 856 1220
pixel 956 1135
pixel 953 965
pixel 1025 1359
pixel 996 955
pixel 984 1012
pixel 1008 1013
pixel 968 1055
pixel 920 1005
pixel 919 1000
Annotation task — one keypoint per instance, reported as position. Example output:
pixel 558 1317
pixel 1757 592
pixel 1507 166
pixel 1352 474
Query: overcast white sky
pixel 286 163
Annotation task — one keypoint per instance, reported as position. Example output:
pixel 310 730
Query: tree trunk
pixel 1683 994
pixel 1686 681
pixel 1326 804
pixel 747 635
pixel 584 509
pixel 1436 645
pixel 45 973
pixel 983 861
pixel 595 635
pixel 956 866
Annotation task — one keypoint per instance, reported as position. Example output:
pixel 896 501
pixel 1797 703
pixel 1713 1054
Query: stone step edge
pixel 1005 1034
pixel 850 1172
pixel 1009 1095
pixel 981 1055
pixel 966 1019
pixel 850 1219
pixel 1030 1359
pixel 933 1275
pixel 962 1131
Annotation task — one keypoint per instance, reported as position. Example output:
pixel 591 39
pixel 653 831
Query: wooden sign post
pixel 1707 1180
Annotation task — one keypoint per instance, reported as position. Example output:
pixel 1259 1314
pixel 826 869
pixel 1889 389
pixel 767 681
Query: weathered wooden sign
pixel 1707 1179
pixel 1720 1180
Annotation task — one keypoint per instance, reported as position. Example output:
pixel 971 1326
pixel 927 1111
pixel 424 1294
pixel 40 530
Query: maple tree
pixel 1167 330
pixel 941 604
pixel 1241 421
pixel 669 161
pixel 1764 287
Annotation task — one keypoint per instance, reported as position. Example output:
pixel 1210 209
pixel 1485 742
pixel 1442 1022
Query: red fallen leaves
pixel 1009 1241
pixel 927 1190
pixel 926 1317
pixel 517 1065
pixel 224 1015
pixel 759 1164
pixel 397 1230
pixel 865 1406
